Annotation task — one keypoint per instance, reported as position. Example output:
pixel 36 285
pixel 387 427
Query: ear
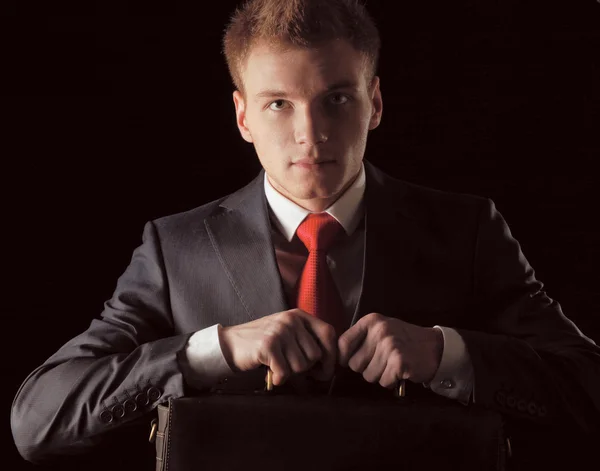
pixel 377 102
pixel 240 114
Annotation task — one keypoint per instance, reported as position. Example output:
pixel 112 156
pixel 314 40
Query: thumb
pixel 350 341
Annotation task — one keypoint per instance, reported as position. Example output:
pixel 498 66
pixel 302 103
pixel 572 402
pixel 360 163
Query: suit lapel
pixel 241 237
pixel 392 235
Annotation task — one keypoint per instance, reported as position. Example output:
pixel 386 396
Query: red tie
pixel 317 293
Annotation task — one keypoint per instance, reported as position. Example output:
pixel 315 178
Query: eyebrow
pixel 336 86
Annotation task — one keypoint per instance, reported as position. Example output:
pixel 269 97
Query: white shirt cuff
pixel 205 357
pixel 454 377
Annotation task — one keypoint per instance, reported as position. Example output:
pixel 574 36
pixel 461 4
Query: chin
pixel 318 192
pixel 310 187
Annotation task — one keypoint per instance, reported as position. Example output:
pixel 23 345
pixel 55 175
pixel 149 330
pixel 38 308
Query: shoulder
pixel 192 221
pixel 189 220
pixel 425 202
pixel 185 227
pixel 442 200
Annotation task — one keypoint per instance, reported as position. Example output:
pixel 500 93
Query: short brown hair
pixel 301 23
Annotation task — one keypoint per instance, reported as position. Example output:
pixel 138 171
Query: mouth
pixel 312 163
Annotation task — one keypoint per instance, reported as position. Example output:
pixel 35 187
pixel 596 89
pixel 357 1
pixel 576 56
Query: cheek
pixel 365 118
pixel 358 119
pixel 274 133
pixel 355 131
pixel 271 143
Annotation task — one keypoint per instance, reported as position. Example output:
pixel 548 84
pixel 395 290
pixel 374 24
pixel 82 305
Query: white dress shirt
pixel 454 377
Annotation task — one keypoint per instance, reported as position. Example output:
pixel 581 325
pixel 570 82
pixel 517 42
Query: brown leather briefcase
pixel 265 430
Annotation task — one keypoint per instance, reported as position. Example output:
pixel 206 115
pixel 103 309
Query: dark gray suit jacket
pixel 431 258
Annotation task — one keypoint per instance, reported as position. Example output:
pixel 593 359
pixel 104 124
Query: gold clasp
pixel 154 427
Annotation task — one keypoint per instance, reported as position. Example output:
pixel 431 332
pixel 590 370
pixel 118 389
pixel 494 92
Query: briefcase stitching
pixel 168 437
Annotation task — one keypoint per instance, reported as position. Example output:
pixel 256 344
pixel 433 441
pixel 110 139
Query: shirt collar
pixel 347 209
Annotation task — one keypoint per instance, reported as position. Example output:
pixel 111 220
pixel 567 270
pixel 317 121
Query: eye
pixel 339 99
pixel 277 105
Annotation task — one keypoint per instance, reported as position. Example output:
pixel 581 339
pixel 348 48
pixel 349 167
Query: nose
pixel 310 126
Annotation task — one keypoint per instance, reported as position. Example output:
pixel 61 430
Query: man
pixel 415 285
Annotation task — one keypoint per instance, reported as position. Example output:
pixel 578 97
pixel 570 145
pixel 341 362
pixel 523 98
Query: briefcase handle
pixel 399 390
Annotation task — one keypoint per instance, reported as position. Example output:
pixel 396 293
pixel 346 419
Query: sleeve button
pixel 532 408
pixel 106 417
pixel 447 384
pixel 130 405
pixel 142 400
pixel 118 411
pixel 153 394
pixel 522 405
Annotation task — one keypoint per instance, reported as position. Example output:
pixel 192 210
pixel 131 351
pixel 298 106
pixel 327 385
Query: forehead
pixel 302 70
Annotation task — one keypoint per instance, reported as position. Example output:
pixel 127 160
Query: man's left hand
pixel 386 349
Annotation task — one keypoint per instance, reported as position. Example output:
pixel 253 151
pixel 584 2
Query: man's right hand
pixel 288 342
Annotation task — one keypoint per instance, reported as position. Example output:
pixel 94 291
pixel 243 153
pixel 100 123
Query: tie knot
pixel 318 231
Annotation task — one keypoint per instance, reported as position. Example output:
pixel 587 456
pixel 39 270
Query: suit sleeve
pixel 117 371
pixel 530 361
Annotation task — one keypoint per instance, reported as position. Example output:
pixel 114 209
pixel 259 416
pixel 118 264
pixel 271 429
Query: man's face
pixel 308 113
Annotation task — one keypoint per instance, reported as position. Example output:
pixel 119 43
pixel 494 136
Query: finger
pixel 310 346
pixel 279 366
pixel 350 341
pixel 326 338
pixel 301 347
pixel 324 371
pixel 361 358
pixel 394 372
pixel 302 351
pixel 375 368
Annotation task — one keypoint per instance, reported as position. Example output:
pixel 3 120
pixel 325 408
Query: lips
pixel 313 165
pixel 307 162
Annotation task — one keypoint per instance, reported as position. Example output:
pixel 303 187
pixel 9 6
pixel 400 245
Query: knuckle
pixel 382 328
pixel 389 343
pixel 297 323
pixel 367 319
pixel 314 355
pixel 329 333
pixel 269 342
pixel 287 317
pixel 395 359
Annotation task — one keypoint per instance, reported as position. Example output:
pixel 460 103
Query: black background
pixel 117 112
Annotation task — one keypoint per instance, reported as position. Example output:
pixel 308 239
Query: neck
pixel 315 205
